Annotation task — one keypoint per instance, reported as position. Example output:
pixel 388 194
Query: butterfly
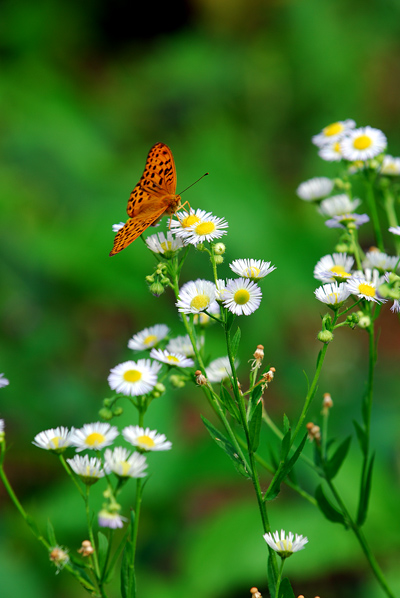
pixel 153 196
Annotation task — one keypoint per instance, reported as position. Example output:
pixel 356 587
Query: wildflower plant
pixel 353 284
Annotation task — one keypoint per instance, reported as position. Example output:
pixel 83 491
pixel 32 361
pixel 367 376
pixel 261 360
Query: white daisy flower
pixel 338 205
pixel 219 369
pixel 148 338
pixel 55 439
pixel 379 260
pixel 285 545
pixel 166 245
pixel 332 294
pixel 333 132
pixel 365 284
pixel 183 345
pixel 3 381
pixel 341 221
pixel 242 296
pixel 88 469
pixel 124 464
pixel 395 230
pixel 146 439
pixel 93 436
pixel 117 227
pixel 172 359
pixel 207 229
pixel 196 296
pixel 316 188
pixel 132 378
pixel 331 152
pixel 249 268
pixel 363 144
pixel 109 519
pixel 390 166
pixel 335 267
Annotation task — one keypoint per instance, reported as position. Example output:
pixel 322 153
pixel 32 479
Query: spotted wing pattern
pixel 134 227
pixel 157 180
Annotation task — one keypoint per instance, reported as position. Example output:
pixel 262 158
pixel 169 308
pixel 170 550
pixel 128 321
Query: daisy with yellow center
pixel 134 379
pixel 331 152
pixel 166 245
pixel 332 294
pixel 93 436
pixel 148 338
pixel 172 359
pixel 185 220
pixel 379 260
pixel 196 296
pixel 390 166
pixel 146 439
pixel 88 469
pixel 253 269
pixel 242 296
pixel 365 285
pixel 204 227
pixel 55 439
pixel 338 205
pixel 336 267
pixel 363 144
pixel 284 545
pixel 314 189
pixel 333 132
pixel 124 464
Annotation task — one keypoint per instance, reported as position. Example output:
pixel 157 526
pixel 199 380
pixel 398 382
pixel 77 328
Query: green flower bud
pixel 118 411
pixel 159 387
pixel 325 336
pixel 177 381
pixel 342 248
pixel 156 289
pixel 218 259
pixel 200 247
pixel 364 320
pixel 106 413
pixel 219 248
pixel 150 279
pixel 108 402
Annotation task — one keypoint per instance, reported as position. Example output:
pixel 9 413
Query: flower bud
pixel 327 403
pixel 201 380
pixel 86 549
pixel 364 320
pixel 218 259
pixel 314 432
pixel 59 557
pixel 177 381
pixel 159 387
pixel 156 289
pixel 118 411
pixel 255 593
pixel 106 413
pixel 219 248
pixel 325 336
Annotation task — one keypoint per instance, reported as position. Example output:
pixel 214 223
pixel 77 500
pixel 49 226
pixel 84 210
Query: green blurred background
pixel 236 88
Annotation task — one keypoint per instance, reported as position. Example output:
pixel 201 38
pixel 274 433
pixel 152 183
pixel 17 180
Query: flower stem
pixel 373 211
pixel 391 215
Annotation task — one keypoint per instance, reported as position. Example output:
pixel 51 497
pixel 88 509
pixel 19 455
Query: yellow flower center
pixel 95 438
pixel 149 340
pixel 200 302
pixel 55 441
pixel 166 246
pixel 173 359
pixel 252 272
pixel 287 546
pixel 241 296
pixel 336 147
pixel 132 376
pixel 146 441
pixel 367 289
pixel 189 220
pixel 339 271
pixel 205 228
pixel 125 467
pixel 333 129
pixel 362 142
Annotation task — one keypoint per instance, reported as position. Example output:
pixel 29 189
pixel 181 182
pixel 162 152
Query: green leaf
pixel 254 401
pixel 285 446
pixel 255 427
pixel 102 550
pixel 285 589
pixel 228 402
pixel 271 577
pixel 235 343
pixel 327 508
pixel 283 471
pixel 286 424
pixel 336 461
pixel 128 581
pixel 226 446
pixel 361 437
pixel 51 534
pixel 365 492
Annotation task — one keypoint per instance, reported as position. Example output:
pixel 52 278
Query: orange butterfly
pixel 153 196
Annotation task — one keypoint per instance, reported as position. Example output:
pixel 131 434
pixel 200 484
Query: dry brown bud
pixel 258 357
pixel 327 401
pixel 86 549
pixel 201 380
pixel 314 432
pixel 255 593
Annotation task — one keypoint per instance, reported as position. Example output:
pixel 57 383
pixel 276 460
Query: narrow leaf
pixel 365 494
pixel 285 589
pixel 361 437
pixel 102 550
pixel 235 343
pixel 336 461
pixel 327 508
pixel 254 401
pixel 285 446
pixel 127 572
pixel 229 404
pixel 255 427
pixel 51 534
pixel 283 471
pixel 286 424
pixel 226 446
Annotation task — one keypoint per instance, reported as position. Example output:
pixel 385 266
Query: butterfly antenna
pixel 202 177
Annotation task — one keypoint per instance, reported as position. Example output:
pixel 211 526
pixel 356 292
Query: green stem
pixel 278 581
pixel 138 503
pixel 373 211
pixel 391 215
pixel 71 475
pixel 91 536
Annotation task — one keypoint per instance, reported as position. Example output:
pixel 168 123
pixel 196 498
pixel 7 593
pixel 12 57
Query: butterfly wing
pixel 157 180
pixel 134 227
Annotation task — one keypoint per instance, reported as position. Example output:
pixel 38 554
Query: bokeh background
pixel 236 88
